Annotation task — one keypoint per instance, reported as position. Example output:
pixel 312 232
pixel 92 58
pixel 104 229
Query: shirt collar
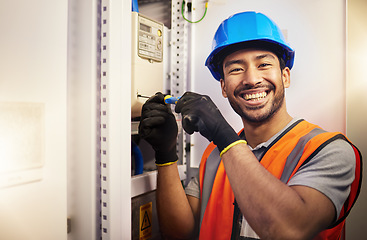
pixel 267 143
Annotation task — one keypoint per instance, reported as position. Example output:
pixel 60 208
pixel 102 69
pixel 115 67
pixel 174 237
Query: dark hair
pixel 265 45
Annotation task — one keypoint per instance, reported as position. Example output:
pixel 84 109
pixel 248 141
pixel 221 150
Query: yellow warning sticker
pixel 145 221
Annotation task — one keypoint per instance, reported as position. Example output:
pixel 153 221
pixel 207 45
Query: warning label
pixel 145 221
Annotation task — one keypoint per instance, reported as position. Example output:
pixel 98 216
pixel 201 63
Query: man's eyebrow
pixel 239 61
pixel 266 55
pixel 229 63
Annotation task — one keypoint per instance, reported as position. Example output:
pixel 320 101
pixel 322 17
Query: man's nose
pixel 251 76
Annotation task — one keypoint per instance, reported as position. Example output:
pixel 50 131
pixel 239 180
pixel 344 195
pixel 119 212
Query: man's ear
pixel 223 86
pixel 286 74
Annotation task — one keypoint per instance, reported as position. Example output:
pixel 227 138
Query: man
pixel 279 178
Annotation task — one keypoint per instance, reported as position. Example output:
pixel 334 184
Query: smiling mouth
pixel 255 96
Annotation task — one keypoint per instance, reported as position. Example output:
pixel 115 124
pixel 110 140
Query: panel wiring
pixel 183 15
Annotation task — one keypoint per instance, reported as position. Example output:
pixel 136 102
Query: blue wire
pixel 135 7
pixel 139 162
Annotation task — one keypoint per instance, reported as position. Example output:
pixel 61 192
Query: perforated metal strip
pixel 179 64
pixel 104 160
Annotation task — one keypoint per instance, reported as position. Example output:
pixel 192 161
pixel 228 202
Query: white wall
pixel 33 48
pixel 357 105
pixel 315 29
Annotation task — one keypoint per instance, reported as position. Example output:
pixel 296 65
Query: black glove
pixel 200 114
pixel 159 128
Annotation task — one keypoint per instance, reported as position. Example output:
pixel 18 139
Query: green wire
pixel 182 12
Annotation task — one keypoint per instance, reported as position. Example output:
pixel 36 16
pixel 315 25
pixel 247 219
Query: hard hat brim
pixel 216 57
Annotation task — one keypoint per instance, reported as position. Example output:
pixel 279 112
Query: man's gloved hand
pixel 159 128
pixel 200 114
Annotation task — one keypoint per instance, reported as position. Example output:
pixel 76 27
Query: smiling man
pixel 279 178
pixel 256 77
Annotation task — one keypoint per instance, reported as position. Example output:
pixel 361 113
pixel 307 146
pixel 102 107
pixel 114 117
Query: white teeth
pixel 256 96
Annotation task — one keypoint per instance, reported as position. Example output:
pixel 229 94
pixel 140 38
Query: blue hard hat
pixel 243 28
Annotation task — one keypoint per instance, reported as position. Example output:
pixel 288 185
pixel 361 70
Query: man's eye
pixel 235 70
pixel 264 65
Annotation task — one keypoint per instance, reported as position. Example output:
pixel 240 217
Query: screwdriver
pixel 168 99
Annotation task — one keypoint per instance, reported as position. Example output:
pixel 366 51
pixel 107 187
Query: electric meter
pixel 146 61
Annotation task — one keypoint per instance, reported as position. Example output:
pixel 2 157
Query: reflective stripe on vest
pixel 284 156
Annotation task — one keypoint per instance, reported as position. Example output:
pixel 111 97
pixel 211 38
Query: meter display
pixel 150 39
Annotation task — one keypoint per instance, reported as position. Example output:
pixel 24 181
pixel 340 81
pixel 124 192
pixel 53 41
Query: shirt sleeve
pixel 193 187
pixel 331 171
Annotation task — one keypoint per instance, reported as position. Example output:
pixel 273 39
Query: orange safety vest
pixel 283 158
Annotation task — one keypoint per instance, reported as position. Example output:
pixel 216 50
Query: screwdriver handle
pixel 168 99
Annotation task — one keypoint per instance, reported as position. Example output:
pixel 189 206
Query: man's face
pixel 254 84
